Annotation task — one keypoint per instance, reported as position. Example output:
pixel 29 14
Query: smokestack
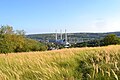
pixel 56 35
pixel 65 36
pixel 61 34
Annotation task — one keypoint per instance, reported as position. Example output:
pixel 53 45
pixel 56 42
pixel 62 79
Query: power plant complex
pixel 61 40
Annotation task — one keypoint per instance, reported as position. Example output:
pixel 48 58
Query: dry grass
pixel 99 63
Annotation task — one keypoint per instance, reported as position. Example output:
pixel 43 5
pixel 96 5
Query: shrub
pixel 10 41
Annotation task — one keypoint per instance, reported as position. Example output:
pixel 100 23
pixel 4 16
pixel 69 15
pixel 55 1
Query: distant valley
pixel 72 37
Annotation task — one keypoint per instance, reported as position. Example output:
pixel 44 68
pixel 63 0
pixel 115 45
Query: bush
pixel 13 42
pixel 111 39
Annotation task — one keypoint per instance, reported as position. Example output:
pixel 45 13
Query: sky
pixel 46 16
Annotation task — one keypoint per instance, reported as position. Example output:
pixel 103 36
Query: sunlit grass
pixel 101 63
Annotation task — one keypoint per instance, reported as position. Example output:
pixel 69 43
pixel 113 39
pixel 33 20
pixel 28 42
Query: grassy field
pixel 101 63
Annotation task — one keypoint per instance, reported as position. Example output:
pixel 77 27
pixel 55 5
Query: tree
pixel 20 32
pixel 6 29
pixel 15 41
pixel 111 39
pixel 93 43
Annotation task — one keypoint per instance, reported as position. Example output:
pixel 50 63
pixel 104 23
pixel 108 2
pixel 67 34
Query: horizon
pixel 72 32
pixel 46 16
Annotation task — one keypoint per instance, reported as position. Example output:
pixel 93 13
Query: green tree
pixel 15 41
pixel 111 39
pixel 6 29
pixel 20 32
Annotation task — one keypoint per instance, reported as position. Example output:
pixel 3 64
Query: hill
pixel 72 37
pixel 98 63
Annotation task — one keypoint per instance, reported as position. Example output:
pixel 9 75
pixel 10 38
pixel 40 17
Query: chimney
pixel 61 34
pixel 56 35
pixel 65 36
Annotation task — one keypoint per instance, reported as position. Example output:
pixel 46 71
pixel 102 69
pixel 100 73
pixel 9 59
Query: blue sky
pixel 46 16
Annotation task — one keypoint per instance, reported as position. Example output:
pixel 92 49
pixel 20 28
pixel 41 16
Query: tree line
pixel 110 39
pixel 15 41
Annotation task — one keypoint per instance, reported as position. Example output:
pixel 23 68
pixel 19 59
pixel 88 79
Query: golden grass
pixel 62 64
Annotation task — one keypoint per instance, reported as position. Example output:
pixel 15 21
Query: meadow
pixel 94 63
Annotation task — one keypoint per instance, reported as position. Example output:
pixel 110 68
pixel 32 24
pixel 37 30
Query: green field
pixel 99 63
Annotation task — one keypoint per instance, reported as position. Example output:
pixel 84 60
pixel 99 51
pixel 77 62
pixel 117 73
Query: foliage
pixel 15 41
pixel 6 30
pixel 72 36
pixel 110 39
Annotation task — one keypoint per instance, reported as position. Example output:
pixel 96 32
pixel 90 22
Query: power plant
pixel 62 41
